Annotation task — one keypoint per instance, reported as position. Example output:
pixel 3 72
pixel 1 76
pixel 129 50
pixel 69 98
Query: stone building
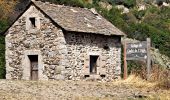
pixel 49 41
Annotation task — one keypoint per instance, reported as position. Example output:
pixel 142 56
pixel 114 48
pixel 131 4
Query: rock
pixel 105 5
pixel 123 8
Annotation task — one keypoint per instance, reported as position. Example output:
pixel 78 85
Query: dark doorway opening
pixel 93 64
pixel 34 66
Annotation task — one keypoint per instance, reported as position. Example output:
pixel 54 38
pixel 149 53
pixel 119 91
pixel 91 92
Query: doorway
pixel 93 64
pixel 33 67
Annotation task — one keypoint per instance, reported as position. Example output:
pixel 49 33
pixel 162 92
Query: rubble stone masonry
pixel 62 55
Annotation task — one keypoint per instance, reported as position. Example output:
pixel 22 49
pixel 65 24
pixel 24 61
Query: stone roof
pixel 78 19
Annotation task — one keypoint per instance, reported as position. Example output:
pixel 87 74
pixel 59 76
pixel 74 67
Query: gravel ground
pixel 68 90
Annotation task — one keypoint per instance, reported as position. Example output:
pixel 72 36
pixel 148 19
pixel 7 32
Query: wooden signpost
pixel 137 51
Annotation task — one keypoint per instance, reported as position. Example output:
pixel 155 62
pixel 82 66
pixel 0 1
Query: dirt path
pixel 68 90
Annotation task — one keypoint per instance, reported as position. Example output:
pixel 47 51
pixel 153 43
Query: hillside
pixel 139 19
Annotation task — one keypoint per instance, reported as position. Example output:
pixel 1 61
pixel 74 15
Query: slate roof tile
pixel 78 19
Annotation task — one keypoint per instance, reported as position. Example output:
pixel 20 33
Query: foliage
pixel 74 3
pixel 129 3
pixel 3 25
pixel 2 57
pixel 139 14
pixel 114 16
pixel 115 1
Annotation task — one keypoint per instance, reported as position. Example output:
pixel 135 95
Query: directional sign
pixel 136 51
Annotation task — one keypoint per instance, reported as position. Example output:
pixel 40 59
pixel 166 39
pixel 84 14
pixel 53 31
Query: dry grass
pixel 159 89
pixel 160 77
pixel 165 95
pixel 136 81
pixel 48 90
pixel 93 98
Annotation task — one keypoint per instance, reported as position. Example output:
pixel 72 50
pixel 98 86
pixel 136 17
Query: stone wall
pixel 47 40
pixel 81 45
pixel 61 56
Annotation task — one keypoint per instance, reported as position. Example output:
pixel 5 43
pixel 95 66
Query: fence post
pixel 148 58
pixel 125 62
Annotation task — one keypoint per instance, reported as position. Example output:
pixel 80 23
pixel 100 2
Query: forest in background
pixel 153 22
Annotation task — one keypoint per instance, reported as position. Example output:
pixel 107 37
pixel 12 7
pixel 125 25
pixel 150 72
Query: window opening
pixel 106 47
pixel 32 20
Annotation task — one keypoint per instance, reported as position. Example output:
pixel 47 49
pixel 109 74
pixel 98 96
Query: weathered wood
pixel 136 51
pixel 148 58
pixel 125 62
pixel 34 70
pixel 142 44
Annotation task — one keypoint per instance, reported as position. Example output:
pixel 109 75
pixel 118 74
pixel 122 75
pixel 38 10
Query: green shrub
pixel 160 39
pixel 129 18
pixel 3 24
pixel 2 57
pixel 139 14
pixel 137 68
pixel 129 3
pixel 148 1
pixel 74 3
pixel 165 13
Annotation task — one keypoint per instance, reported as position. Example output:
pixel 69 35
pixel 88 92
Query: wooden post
pixel 148 58
pixel 125 62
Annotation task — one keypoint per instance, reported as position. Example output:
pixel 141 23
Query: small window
pixel 93 64
pixel 32 22
pixel 106 47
